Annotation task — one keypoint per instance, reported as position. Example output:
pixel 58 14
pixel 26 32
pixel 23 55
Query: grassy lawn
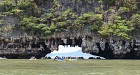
pixel 79 67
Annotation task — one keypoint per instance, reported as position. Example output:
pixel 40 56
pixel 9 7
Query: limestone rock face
pixel 19 44
pixel 25 47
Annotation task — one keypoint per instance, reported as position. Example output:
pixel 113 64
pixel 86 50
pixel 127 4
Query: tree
pixel 92 20
pixel 135 19
pixel 131 4
pixel 116 27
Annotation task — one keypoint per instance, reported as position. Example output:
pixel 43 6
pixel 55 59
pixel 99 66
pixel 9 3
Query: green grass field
pixel 79 67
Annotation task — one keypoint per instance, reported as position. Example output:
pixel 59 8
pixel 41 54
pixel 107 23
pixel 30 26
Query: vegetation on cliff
pixel 98 22
pixel 110 18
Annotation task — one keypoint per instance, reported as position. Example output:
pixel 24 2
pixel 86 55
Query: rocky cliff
pixel 106 28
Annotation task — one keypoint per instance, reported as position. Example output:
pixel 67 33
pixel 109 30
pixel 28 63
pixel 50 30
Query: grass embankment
pixel 79 67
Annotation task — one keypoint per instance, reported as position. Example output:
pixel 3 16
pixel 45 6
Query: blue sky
pixel 69 51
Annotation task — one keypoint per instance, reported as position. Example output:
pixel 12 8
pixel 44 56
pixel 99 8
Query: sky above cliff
pixel 68 51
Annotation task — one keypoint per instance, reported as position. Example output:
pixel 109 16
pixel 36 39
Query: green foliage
pixel 49 15
pixel 53 22
pixel 109 2
pixel 25 5
pixel 43 29
pixel 116 28
pixel 103 20
pixel 131 4
pixel 123 10
pixel 135 19
pixel 52 27
pixel 61 24
pixel 38 26
pixel 60 21
pixel 56 5
pixel 30 25
pixel 6 5
pixel 94 21
pixel 85 16
pixel 105 29
pixel 10 7
pixel 15 12
pixel 94 27
pixel 29 6
pixel 5 30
